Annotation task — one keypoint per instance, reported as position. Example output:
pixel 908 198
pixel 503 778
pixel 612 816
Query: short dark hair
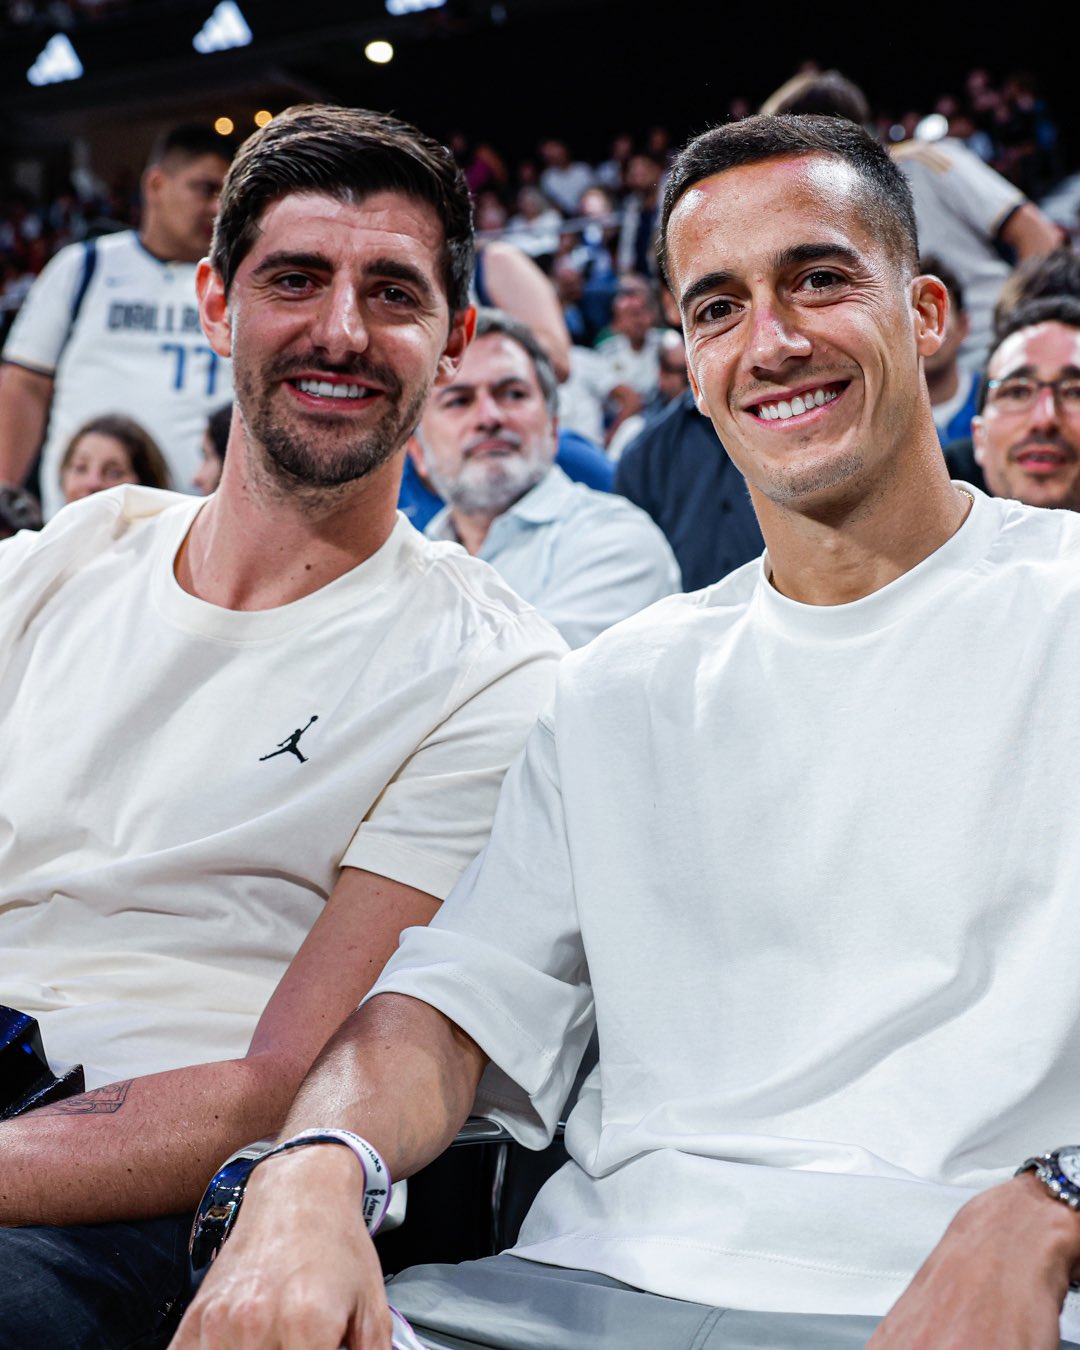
pixel 1047 309
pixel 147 462
pixel 764 137
pixel 190 140
pixel 345 153
pixel 490 321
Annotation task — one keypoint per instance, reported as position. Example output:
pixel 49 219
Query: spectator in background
pixel 113 325
pixel 671 382
pixel 561 180
pixel 108 451
pixel 612 173
pixel 1027 432
pixel 631 353
pixel 486 441
pixel 636 250
pixel 953 390
pixel 215 444
pixel 535 228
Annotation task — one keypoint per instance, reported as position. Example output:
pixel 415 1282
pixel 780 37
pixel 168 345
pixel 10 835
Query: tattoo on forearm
pixel 103 1101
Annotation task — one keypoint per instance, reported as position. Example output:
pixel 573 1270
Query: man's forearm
pixel 397 1072
pixel 25 397
pixel 140 1148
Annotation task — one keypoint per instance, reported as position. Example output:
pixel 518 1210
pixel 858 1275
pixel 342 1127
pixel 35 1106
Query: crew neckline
pixel 204 619
pixel 954 558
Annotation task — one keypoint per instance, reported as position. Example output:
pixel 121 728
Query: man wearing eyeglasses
pixel 1027 433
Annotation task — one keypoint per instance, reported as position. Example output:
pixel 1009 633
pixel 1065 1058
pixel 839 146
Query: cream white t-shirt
pixel 137 347
pixel 814 873
pixel 164 849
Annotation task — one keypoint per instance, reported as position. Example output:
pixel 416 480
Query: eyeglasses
pixel 1017 394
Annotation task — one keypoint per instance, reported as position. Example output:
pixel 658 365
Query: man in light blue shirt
pixel 585 559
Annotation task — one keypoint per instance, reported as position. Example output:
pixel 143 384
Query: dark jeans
pixel 109 1286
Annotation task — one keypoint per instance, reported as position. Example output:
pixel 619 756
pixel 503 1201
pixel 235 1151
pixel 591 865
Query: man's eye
pixel 395 295
pixel 1015 391
pixel 293 281
pixel 1070 391
pixel 821 279
pixel 715 310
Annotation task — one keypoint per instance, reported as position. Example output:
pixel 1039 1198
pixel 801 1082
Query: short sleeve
pixel 435 814
pixel 504 958
pixel 42 325
pixel 975 192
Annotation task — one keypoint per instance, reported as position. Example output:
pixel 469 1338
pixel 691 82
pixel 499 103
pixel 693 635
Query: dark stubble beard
pixel 287 454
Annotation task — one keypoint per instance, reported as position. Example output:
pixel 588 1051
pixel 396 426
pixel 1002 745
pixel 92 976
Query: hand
pixel 995 1281
pixel 299 1271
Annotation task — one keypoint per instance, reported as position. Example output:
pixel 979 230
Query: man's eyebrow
pixel 310 262
pixel 467 387
pixel 711 281
pixel 1030 372
pixel 392 269
pixel 800 254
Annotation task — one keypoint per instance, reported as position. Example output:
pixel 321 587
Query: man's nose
pixel 773 336
pixel 487 409
pixel 1043 413
pixel 340 328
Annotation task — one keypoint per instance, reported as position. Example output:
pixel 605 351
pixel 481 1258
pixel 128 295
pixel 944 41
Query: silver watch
pixel 1059 1172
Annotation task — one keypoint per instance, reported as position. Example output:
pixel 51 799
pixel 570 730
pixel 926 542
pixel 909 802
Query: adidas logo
pixel 57 61
pixel 225 28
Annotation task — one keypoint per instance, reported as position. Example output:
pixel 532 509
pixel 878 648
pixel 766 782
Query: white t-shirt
pixel 183 782
pixel 818 868
pixel 960 206
pixel 136 348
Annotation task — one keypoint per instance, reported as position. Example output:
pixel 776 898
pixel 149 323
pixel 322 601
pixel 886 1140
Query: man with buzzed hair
pixel 802 847
pixel 112 325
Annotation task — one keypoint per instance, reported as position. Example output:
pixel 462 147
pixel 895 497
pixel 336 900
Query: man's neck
pixel 837 555
pixel 254 548
pixel 163 248
pixel 943 384
pixel 470 530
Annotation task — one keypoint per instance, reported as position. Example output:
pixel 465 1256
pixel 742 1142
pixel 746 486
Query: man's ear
pixel 978 439
pixel 930 302
pixel 415 451
pixel 213 308
pixel 462 328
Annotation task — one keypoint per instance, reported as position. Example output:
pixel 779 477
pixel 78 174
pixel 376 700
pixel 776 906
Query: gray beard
pixel 490 492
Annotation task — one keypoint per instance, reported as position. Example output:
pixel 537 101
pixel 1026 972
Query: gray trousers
pixel 505 1303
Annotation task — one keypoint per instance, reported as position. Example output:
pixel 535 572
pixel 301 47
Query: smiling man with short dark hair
pixel 248 739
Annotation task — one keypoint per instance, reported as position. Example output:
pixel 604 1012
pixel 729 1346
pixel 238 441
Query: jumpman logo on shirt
pixel 291 744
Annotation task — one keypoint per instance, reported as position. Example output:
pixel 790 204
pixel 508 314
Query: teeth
pixel 327 389
pixel 782 410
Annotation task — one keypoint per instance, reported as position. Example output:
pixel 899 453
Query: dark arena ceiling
pixel 508 71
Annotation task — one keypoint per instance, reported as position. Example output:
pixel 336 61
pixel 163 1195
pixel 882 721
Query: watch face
pixel 1069 1163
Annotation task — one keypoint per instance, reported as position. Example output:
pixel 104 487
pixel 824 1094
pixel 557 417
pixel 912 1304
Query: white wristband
pixel 377 1185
